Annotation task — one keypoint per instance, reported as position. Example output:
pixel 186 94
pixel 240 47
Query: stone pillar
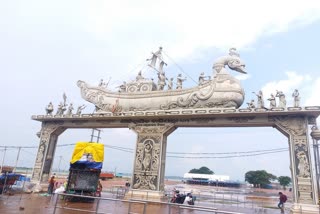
pixel 296 128
pixel 150 158
pixel 48 140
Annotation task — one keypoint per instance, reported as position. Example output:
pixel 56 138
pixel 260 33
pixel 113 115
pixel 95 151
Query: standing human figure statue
pixel 139 77
pixel 170 83
pixel 123 87
pixel 147 156
pixel 49 109
pixel 161 80
pixel 251 105
pixel 79 109
pixel 70 109
pixel 303 165
pixel 180 81
pixel 61 109
pixel 273 102
pixel 157 56
pixel 202 78
pixel 282 99
pixel 260 101
pixel 102 83
pixel 296 98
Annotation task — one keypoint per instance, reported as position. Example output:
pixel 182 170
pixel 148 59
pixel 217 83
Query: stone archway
pixel 152 129
pixel 296 129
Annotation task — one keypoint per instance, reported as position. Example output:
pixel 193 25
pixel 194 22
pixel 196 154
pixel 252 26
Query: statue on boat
pixel 221 90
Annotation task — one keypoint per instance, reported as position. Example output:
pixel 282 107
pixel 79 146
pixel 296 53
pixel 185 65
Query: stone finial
pixel 315 133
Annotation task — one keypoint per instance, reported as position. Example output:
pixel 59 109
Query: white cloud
pixel 184 28
pixel 243 77
pixel 308 87
pixel 313 97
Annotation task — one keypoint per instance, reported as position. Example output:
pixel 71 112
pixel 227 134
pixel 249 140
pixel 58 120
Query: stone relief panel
pixel 303 172
pixel 45 133
pixel 147 162
pixel 151 128
pixel 148 154
pixel 294 125
pixel 142 181
pixel 301 157
pixel 305 191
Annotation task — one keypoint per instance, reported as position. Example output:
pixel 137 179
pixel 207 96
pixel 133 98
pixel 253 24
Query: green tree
pixel 284 181
pixel 259 178
pixel 202 170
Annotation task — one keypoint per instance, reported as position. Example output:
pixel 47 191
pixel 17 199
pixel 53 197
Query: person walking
pixel 282 201
pixel 51 184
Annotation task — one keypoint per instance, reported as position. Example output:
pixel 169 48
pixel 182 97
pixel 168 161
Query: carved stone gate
pixel 152 129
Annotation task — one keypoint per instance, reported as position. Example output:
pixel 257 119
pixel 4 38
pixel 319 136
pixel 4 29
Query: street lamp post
pixel 315 134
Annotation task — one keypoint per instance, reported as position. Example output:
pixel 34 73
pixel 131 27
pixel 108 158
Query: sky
pixel 47 46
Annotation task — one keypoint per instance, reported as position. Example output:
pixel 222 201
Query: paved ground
pixel 43 204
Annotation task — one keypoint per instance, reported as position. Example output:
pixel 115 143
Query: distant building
pixel 207 177
pixel 213 180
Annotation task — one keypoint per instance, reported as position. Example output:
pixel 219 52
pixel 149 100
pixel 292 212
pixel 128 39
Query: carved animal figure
pixel 233 61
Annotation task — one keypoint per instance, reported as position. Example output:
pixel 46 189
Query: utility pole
pixel 315 134
pixel 59 164
pixel 97 136
pixel 4 154
pixel 15 165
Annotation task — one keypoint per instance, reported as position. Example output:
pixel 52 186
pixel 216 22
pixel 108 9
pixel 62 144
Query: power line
pixel 180 67
pixel 189 153
pixel 226 154
pixel 232 156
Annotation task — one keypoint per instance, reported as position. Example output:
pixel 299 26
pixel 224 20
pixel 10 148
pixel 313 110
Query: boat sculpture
pixel 222 90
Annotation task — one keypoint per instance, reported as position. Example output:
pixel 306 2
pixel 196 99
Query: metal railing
pixel 144 203
pixel 221 200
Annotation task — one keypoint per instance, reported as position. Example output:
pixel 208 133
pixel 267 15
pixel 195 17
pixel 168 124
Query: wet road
pixel 41 204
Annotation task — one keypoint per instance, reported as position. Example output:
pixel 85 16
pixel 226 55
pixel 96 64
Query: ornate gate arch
pixel 153 113
pixel 152 132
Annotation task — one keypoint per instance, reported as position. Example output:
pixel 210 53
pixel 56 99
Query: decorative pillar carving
pixel 149 163
pixel 48 139
pixel 296 128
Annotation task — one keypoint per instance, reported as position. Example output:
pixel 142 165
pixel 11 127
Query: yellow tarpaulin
pixel 96 149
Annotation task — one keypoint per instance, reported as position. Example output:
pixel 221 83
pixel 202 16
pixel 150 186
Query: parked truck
pixel 85 169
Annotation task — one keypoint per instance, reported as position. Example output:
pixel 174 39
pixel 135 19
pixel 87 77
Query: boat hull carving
pixel 223 91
